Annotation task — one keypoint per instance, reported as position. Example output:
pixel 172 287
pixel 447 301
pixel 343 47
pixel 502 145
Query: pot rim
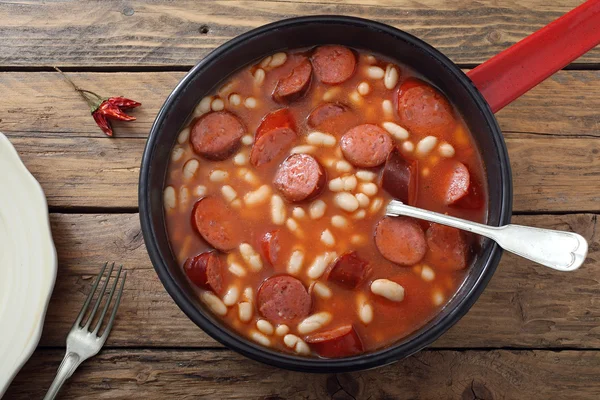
pixel 377 358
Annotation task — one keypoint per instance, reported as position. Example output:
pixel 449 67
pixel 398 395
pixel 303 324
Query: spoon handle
pixel 562 251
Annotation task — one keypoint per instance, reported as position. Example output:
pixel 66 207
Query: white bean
pixel 240 159
pixel 363 199
pixel 295 263
pixel 408 146
pixel 204 106
pixel 356 98
pixel 183 135
pixel 426 144
pixel 438 298
pixel 229 193
pixel 282 330
pixel 245 311
pixel 370 59
pixel 169 198
pixel 343 166
pixel 317 268
pixel 302 348
pixel 184 196
pixel 237 204
pixel 231 296
pixel 248 294
pixel 317 209
pixel 360 214
pixel 251 257
pixel 367 176
pixel 446 150
pixel 298 213
pixel 336 185
pixel 265 62
pixel 368 188
pixel 218 175
pixel 249 176
pixel 363 88
pixel 250 102
pixel 387 106
pixel 247 140
pixel 357 239
pixel 376 205
pixel 327 238
pixel 226 88
pixel 200 191
pixel 346 201
pixel 365 310
pixel 303 149
pixel 259 76
pixel 388 289
pixel 391 77
pixel 314 322
pixel 217 105
pixel 277 60
pixel 237 269
pixel 214 303
pixel 292 225
pixel 235 99
pixel 321 139
pixel 258 196
pixel 395 130
pixel 332 93
pixel 190 168
pixel 339 222
pixel 260 338
pixel 177 153
pixel 322 290
pixel 427 273
pixel 291 340
pixel 350 183
pixel 277 210
pixel 265 327
pixel 375 72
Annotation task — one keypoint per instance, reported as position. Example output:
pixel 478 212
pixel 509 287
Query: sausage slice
pixel 295 84
pixel 334 64
pixel 275 134
pixel 366 145
pixel 270 246
pixel 349 270
pixel 456 183
pixel 447 247
pixel 300 177
pixel 325 112
pixel 216 135
pixel 205 271
pixel 338 342
pixel 399 177
pixel 400 240
pixel 216 223
pixel 423 110
pixel 283 298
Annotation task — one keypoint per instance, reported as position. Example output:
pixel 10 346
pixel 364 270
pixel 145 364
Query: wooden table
pixel 533 334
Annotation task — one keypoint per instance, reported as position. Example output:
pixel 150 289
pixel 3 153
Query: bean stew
pixel 275 201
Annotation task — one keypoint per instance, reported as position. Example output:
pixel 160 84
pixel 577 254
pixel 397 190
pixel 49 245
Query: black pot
pixel 305 32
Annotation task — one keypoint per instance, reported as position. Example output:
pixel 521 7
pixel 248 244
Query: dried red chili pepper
pixel 103 109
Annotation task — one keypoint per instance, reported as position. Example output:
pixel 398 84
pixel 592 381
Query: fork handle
pixel 65 370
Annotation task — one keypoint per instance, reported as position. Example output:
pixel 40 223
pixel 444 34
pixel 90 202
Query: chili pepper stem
pixel 93 102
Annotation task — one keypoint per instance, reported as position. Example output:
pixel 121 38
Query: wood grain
pixel 163 374
pixel 525 305
pixel 549 173
pixel 137 33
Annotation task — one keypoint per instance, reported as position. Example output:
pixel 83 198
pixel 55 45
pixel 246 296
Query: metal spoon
pixel 562 251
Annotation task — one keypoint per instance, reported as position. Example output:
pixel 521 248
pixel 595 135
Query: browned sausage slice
pixel 205 271
pixel 334 64
pixel 295 84
pixel 216 223
pixel 400 240
pixel 216 135
pixel 447 247
pixel 423 110
pixel 275 134
pixel 323 113
pixel 283 298
pixel 300 177
pixel 366 145
pixel 399 177
pixel 270 246
pixel 338 342
pixel 456 183
pixel 349 270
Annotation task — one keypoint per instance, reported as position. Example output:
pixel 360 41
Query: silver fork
pixel 81 342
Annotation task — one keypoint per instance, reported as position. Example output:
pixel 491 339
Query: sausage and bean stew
pixel 275 201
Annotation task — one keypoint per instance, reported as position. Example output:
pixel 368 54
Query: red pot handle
pixel 517 69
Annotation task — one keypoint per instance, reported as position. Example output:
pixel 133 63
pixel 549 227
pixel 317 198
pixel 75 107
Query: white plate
pixel 27 263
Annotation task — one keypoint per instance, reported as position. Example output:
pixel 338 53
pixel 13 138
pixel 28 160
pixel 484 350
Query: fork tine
pixel 114 311
pixel 110 296
pixel 100 296
pixel 90 296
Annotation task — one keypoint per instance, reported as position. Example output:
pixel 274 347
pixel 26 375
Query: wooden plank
pixel 111 33
pixel 525 305
pixel 549 173
pixel 163 374
pixel 43 104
